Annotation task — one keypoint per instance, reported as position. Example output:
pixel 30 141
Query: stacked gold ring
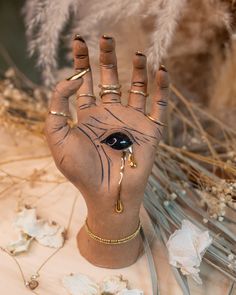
pixel 109 88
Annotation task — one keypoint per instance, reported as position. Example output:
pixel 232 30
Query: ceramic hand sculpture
pixel 109 154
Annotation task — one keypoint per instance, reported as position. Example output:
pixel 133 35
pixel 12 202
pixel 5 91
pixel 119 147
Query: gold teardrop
pixel 119 206
pixel 132 161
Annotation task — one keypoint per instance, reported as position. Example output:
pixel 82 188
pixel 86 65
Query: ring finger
pixel 137 97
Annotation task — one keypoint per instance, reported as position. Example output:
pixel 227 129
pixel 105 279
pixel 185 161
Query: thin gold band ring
pixel 86 94
pixel 156 121
pixel 59 114
pixel 109 86
pixel 138 92
pixel 108 91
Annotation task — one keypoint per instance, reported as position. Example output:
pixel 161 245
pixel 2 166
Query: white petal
pixel 21 245
pixel 79 284
pixel 27 222
pixel 113 284
pixel 186 247
pixel 55 241
pixel 131 292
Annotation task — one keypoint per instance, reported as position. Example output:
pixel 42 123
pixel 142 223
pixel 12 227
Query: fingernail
pixel 79 75
pixel 162 68
pixel 106 37
pixel 79 38
pixel 139 53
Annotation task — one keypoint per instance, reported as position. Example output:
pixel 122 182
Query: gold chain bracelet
pixel 110 241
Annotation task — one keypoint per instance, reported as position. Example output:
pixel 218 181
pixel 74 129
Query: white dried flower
pixel 113 285
pixel 79 284
pixel 173 196
pixel 231 257
pixel 46 234
pixel 186 248
pixel 131 292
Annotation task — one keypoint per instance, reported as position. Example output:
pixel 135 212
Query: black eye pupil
pixel 118 141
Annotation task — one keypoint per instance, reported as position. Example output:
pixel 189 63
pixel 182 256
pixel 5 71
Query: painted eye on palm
pixel 118 141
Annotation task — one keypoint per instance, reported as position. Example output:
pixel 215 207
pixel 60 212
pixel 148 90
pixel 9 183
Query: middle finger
pixel 110 88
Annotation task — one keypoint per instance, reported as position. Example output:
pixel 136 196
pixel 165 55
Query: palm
pixel 85 149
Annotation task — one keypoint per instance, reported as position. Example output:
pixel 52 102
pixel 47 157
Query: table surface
pixel 53 202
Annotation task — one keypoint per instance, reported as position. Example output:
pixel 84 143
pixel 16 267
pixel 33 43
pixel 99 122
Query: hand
pixel 91 154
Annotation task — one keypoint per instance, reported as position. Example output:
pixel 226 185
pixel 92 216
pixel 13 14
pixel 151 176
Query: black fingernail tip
pixel 79 38
pixel 106 37
pixel 139 53
pixel 162 68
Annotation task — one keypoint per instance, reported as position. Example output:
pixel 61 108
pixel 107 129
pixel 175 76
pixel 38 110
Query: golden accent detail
pixel 131 159
pixel 109 86
pixel 119 206
pixel 138 92
pixel 112 241
pixel 86 94
pixel 78 75
pixel 108 91
pixel 156 121
pixel 59 114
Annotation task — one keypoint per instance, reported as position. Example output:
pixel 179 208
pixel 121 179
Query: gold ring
pixel 138 84
pixel 109 86
pixel 138 92
pixel 59 114
pixel 109 66
pixel 108 91
pixel 78 75
pixel 156 121
pixel 86 94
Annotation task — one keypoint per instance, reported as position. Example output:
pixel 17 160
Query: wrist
pixel 113 225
